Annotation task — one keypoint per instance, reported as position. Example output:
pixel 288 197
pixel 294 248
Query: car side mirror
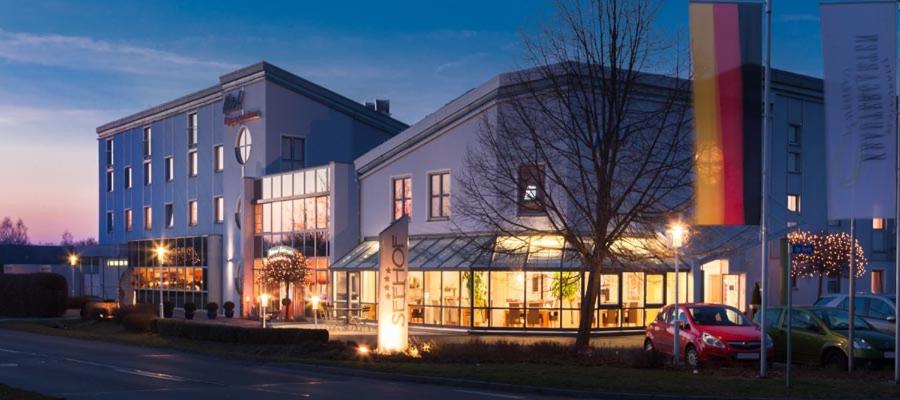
pixel 683 325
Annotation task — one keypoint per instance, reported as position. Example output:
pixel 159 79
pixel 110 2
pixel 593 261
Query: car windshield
pixel 718 315
pixel 837 319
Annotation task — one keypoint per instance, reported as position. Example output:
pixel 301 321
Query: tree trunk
pixel 586 319
pixel 819 292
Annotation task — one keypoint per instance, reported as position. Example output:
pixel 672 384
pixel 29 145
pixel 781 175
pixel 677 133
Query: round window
pixel 244 143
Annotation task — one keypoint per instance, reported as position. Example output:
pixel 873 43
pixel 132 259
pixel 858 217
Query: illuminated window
pixel 128 220
pixel 219 205
pixel 192 163
pixel 128 182
pixel 402 197
pixel 192 212
pixel 531 188
pixel 793 203
pixel 148 173
pixel 878 224
pixel 170 169
pixel 148 136
pixel 192 130
pixel 148 218
pixel 219 158
pixel 170 215
pixel 244 144
pixel 110 180
pixel 439 193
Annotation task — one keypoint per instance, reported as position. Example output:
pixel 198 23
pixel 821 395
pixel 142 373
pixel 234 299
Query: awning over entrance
pixel 461 252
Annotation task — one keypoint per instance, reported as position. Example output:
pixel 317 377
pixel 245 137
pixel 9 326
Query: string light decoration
pixel 830 257
pixel 285 267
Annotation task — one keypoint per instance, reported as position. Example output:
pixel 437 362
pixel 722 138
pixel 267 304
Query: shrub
pixel 212 310
pixel 238 335
pixel 127 309
pixel 138 322
pixel 229 309
pixel 190 307
pixel 33 295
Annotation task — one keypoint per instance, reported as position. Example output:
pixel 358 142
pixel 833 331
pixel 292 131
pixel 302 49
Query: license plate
pixel 747 356
pixel 889 354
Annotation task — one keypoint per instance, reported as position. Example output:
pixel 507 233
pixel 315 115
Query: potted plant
pixel 229 309
pixel 168 309
pixel 212 309
pixel 189 309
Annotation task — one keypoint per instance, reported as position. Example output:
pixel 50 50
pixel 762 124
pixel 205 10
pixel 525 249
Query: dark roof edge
pixel 283 78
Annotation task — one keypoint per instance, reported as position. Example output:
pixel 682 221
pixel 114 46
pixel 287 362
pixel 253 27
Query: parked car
pixel 819 337
pixel 709 332
pixel 877 309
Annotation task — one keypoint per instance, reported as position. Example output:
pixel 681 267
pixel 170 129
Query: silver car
pixel 877 309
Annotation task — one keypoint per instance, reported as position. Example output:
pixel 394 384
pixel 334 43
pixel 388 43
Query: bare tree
pixel 13 233
pixel 588 146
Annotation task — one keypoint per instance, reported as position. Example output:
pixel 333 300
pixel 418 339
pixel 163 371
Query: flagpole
pixel 897 236
pixel 851 308
pixel 763 234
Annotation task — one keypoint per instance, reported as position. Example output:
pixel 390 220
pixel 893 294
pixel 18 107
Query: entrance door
pixel 731 290
pixel 354 306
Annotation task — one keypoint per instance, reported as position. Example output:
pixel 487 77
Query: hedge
pixel 33 295
pixel 237 335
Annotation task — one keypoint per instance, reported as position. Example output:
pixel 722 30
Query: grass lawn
pixel 7 392
pixel 716 382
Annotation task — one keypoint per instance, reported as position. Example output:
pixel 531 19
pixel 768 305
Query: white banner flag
pixel 860 47
pixel 393 267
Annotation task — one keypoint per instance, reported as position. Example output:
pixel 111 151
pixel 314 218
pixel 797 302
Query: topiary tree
pixel 286 267
pixel 830 257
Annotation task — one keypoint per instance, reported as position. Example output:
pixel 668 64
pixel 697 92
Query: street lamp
pixel 160 251
pixel 677 233
pixel 73 261
pixel 315 305
pixel 263 300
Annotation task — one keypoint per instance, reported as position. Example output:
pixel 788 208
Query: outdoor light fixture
pixel 363 350
pixel 315 305
pixel 677 234
pixel 263 300
pixel 73 261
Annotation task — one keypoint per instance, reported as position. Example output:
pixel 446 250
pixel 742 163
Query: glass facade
pixel 182 274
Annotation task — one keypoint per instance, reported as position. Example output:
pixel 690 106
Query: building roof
pixel 504 84
pixel 253 73
pixel 28 254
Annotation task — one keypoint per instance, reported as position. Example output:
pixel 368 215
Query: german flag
pixel 726 48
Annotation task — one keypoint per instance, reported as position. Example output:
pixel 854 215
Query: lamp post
pixel 315 305
pixel 263 300
pixel 73 261
pixel 676 232
pixel 160 258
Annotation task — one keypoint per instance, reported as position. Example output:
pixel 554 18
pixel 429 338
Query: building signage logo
pixel 393 321
pixel 234 103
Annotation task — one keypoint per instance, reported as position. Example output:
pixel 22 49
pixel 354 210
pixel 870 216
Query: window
pixel 793 162
pixel 244 144
pixel 148 175
pixel 219 158
pixel 531 188
pixel 192 130
pixel 834 285
pixel 110 180
pixel 148 218
pixel 110 152
pixel 878 235
pixel 402 196
pixel 192 213
pixel 128 220
pixel 148 136
pixel 170 169
pixel 292 153
pixel 219 207
pixel 109 221
pixel 170 215
pixel 128 182
pixel 793 203
pixel 793 134
pixel 439 192
pixel 877 281
pixel 878 224
pixel 192 163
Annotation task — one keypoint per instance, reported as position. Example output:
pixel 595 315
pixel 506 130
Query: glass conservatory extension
pixel 490 282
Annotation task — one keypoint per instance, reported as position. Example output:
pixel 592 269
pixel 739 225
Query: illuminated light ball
pixel 363 350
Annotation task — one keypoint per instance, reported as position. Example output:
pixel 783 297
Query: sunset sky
pixel 67 67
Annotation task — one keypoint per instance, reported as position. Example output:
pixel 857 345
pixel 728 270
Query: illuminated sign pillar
pixel 393 318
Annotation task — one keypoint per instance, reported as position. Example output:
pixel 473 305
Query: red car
pixel 709 332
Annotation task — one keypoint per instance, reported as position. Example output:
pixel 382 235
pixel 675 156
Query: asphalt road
pixel 80 369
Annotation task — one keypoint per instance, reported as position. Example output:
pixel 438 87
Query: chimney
pixel 370 105
pixel 383 106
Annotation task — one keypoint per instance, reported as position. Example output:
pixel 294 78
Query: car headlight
pixel 861 344
pixel 769 342
pixel 711 340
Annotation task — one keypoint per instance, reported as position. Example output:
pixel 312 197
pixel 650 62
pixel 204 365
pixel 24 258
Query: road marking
pixel 158 355
pixel 139 372
pixel 8 365
pixel 475 392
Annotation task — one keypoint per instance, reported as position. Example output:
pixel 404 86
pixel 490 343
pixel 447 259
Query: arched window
pixel 244 143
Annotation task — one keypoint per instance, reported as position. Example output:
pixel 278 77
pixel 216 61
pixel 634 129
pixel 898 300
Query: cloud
pixel 463 61
pixel 799 18
pixel 89 53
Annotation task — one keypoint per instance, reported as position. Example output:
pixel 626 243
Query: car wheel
pixel 835 360
pixel 692 357
pixel 648 347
